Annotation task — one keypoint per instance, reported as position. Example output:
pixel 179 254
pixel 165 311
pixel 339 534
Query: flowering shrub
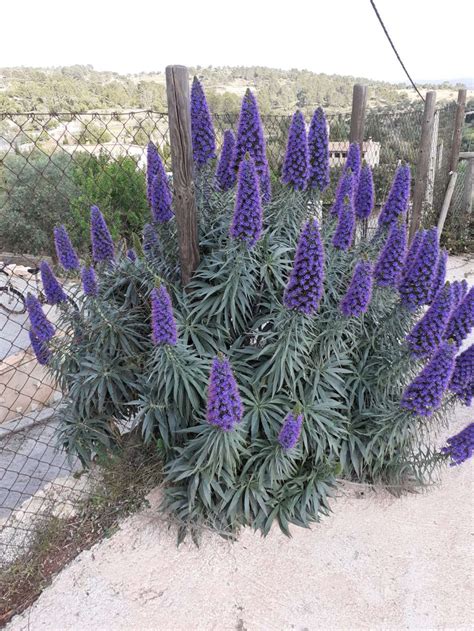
pixel 301 351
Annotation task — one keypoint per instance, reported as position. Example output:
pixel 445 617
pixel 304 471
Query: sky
pixel 434 38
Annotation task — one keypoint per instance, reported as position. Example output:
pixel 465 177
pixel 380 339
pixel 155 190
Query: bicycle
pixel 11 299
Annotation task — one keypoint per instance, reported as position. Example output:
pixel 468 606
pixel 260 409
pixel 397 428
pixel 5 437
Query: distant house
pixel 338 152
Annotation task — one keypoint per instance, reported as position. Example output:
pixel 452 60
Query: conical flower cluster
pixel 66 254
pixel 224 406
pixel 389 266
pixel 89 281
pixel 163 324
pixel 462 320
pixel 225 173
pixel 345 188
pixel 160 194
pixel 53 291
pixel 305 285
pixel 131 255
pixel 425 393
pixel 364 197
pixel 248 217
pixel 461 446
pixel 295 164
pixel 460 288
pixel 353 161
pixel 427 334
pixel 416 284
pixel 344 233
pixel 40 349
pixel 290 431
pixel 151 243
pixel 359 293
pixel 202 131
pixel 153 162
pixel 318 152
pixel 101 240
pixel 413 251
pixel 41 327
pixel 440 276
pixel 250 140
pixel 462 381
pixel 398 197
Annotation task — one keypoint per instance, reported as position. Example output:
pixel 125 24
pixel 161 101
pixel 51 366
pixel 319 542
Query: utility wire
pixel 394 49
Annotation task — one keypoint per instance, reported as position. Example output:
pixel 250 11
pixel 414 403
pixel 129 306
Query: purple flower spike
pixel 461 446
pixel 153 162
pixel 102 243
pixel 224 406
pixel 359 293
pixel 204 144
pixel 40 349
pixel 131 255
pixel 353 160
pixel 161 198
pixel 66 254
pixel 462 381
pixel 427 334
pixel 162 319
pixel 416 284
pixel 225 173
pixel 439 277
pixel 151 243
pixel 296 165
pixel 89 281
pixel 250 140
pixel 248 217
pixel 53 291
pixel 413 251
pixel 344 233
pixel 461 321
pixel 389 266
pixel 290 431
pixel 364 197
pixel 460 288
pixel 425 393
pixel 345 188
pixel 41 327
pixel 305 286
pixel 318 150
pixel 398 197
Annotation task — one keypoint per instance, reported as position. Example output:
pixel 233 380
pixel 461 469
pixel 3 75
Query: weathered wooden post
pixel 359 102
pixel 179 115
pixel 457 132
pixel 468 189
pixel 423 162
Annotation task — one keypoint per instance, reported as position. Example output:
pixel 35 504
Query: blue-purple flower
pixel 425 393
pixel 413 251
pixel 345 188
pixel 462 381
pixel 250 140
pixel 40 349
pixel 439 277
pixel 416 284
pixel 151 242
pixel 460 288
pixel 290 430
pixel 163 324
pixel 131 255
pixel 461 446
pixel 318 152
pixel 305 285
pixel 353 160
pixel 345 229
pixel 41 327
pixel 247 219
pixel 398 197
pixel 389 266
pixel 64 249
pixel 462 320
pixel 426 335
pixel 89 281
pixel 153 162
pixel 202 131
pixel 101 239
pixel 359 293
pixel 160 195
pixel 295 164
pixel 364 197
pixel 224 405
pixel 225 173
pixel 53 291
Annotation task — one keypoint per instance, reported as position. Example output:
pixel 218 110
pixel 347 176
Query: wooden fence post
pixel 359 102
pixel 468 189
pixel 423 162
pixel 457 132
pixel 179 114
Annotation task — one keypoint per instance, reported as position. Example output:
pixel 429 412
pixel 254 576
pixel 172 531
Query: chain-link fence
pixel 52 168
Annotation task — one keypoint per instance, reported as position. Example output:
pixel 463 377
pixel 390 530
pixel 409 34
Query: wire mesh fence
pixel 52 168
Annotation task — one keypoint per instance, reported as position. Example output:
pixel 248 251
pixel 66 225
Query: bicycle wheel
pixel 12 300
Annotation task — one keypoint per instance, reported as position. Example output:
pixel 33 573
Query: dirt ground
pixel 377 563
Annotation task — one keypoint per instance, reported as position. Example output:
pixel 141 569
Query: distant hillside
pixel 81 88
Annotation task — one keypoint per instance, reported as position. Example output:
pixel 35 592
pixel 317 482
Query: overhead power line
pixel 394 49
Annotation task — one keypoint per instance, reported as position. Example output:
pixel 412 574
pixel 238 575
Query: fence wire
pixel 52 168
